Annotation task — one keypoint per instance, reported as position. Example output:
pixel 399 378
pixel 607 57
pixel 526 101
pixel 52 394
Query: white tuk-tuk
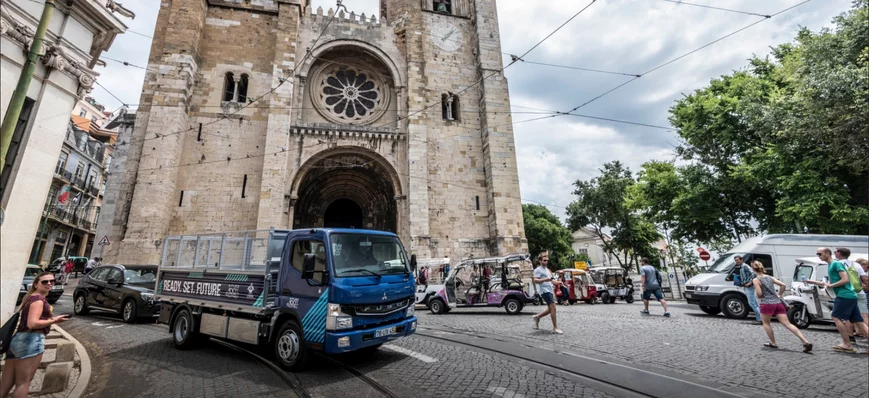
pixel 811 303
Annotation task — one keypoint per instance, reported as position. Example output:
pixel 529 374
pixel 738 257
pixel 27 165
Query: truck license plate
pixel 384 332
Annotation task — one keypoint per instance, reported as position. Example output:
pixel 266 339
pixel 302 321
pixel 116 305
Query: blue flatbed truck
pixel 329 290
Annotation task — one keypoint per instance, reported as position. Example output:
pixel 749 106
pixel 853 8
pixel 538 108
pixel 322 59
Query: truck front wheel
pixel 290 351
pixel 183 333
pixel 734 306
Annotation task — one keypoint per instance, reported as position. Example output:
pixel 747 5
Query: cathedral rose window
pixel 346 94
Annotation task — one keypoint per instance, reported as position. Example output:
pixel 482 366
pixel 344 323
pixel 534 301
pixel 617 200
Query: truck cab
pixel 329 290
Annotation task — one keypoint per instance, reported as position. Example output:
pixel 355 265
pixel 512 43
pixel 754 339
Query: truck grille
pixel 367 322
pixel 366 310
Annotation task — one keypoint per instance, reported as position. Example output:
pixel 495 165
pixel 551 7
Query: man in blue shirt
pixel 651 287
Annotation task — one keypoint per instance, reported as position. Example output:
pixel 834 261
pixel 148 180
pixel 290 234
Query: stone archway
pixel 349 188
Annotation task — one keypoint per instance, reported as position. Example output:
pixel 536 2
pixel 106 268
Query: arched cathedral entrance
pixel 346 189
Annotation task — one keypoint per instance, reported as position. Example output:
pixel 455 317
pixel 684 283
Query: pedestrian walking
pixel 746 280
pixel 845 311
pixel 772 305
pixel 543 280
pixel 28 343
pixel 855 275
pixel 864 281
pixel 651 285
pixel 67 268
pixel 92 263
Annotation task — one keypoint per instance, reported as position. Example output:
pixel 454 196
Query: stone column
pixel 274 171
pixel 163 114
pixel 506 227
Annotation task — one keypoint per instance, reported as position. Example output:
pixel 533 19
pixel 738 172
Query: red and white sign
pixel 104 241
pixel 705 256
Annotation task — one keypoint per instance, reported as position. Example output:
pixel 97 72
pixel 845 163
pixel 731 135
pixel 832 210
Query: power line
pixel 122 62
pixel 680 2
pixel 137 33
pixel 110 93
pixel 575 67
pixel 683 56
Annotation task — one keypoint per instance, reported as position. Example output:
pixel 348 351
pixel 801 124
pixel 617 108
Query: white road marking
pixel 503 392
pixel 116 326
pixel 411 353
pixel 100 324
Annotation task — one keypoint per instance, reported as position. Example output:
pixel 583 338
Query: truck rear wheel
pixel 183 332
pixel 290 351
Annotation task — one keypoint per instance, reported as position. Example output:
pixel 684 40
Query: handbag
pixel 784 303
pixel 8 331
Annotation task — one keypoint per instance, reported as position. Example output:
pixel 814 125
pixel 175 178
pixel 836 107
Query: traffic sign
pixel 700 250
pixel 672 276
pixel 705 256
pixel 104 241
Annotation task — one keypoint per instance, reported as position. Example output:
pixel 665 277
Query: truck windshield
pixel 724 263
pixel 359 254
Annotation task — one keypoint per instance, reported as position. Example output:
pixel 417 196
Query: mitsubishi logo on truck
pixel 384 297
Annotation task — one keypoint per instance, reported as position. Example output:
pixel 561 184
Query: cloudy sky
pixel 627 36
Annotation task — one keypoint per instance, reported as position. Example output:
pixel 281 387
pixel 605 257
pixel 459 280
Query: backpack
pixel 658 278
pixel 8 331
pixel 854 277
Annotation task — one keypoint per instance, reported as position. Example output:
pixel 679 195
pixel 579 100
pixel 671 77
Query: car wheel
pixel 80 307
pixel 605 298
pixel 183 332
pixel 798 316
pixel 290 351
pixel 437 306
pixel 612 300
pixel 710 310
pixel 513 306
pixel 734 306
pixel 129 311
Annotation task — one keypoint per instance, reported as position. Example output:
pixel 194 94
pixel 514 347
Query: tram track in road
pixel 296 385
pixel 617 379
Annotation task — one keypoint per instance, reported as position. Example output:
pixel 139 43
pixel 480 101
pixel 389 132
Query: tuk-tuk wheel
pixel 798 316
pixel 589 301
pixel 605 298
pixel 437 306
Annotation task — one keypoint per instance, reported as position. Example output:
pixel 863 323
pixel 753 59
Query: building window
pixel 17 142
pixel 235 88
pixel 582 251
pixel 52 193
pixel 347 94
pixel 450 106
pixel 61 163
pixel 83 113
pixel 450 7
pixel 79 170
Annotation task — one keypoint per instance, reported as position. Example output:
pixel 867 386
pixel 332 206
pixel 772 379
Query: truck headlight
pixel 409 312
pixel 337 320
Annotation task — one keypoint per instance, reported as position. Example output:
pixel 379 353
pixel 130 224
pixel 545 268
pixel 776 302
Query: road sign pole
pixel 102 249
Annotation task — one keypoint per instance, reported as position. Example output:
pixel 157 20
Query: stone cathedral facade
pixel 261 113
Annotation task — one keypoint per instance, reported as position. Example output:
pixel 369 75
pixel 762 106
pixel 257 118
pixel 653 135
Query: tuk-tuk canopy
pixel 428 262
pixel 572 271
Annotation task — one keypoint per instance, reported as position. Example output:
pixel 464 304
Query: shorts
pixel 846 310
pixel 547 298
pixel 25 345
pixel 773 309
pixel 647 294
pixel 862 305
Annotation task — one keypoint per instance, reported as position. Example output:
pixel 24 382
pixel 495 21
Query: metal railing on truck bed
pixel 236 271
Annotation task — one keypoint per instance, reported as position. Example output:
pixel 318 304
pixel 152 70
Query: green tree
pixel 602 203
pixel 545 232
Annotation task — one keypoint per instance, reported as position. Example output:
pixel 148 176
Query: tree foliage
pixel 545 231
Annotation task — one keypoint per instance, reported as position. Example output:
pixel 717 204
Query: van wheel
pixel 710 310
pixel 437 306
pixel 513 306
pixel 183 332
pixel 734 306
pixel 290 351
pixel 798 316
pixel 605 298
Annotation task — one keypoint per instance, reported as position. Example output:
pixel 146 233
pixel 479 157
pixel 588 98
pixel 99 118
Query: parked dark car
pixel 29 274
pixel 125 289
pixel 78 264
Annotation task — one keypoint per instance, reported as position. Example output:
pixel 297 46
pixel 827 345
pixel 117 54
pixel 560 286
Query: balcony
pixel 62 174
pixel 74 220
pixel 93 190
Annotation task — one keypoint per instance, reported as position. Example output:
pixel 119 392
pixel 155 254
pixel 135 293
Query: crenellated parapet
pixel 342 17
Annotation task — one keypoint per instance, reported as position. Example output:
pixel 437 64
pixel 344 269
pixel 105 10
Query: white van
pixel 714 291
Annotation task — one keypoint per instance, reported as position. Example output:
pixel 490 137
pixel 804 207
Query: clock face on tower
pixel 446 36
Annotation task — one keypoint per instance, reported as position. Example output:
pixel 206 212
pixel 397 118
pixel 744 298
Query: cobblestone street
pixel 690 345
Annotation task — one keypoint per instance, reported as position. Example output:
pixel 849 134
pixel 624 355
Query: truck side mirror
pixel 308 266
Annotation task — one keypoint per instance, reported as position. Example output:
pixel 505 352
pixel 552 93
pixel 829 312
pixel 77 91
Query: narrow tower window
pixel 228 87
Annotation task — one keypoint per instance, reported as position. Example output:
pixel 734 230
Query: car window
pixel 114 274
pixel 99 274
pixel 32 271
pixel 764 259
pixel 140 275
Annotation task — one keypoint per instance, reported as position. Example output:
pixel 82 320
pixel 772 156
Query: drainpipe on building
pixel 17 101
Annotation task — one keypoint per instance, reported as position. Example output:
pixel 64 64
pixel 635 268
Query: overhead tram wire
pixel 110 93
pixel 281 81
pixel 499 70
pixel 575 67
pixel 764 18
pixel 125 63
pixel 684 3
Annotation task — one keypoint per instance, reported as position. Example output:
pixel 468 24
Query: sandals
pixel 770 345
pixel 843 349
pixel 807 347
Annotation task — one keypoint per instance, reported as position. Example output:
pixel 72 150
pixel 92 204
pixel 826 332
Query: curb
pixel 85 370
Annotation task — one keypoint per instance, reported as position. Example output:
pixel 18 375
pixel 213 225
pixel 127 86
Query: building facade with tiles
pixel 268 113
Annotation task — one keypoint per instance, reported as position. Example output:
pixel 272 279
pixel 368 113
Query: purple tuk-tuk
pixel 484 282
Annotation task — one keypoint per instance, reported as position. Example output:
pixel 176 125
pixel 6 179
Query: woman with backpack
pixel 772 305
pixel 28 343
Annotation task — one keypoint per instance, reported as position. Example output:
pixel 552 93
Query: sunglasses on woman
pixel 46 282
